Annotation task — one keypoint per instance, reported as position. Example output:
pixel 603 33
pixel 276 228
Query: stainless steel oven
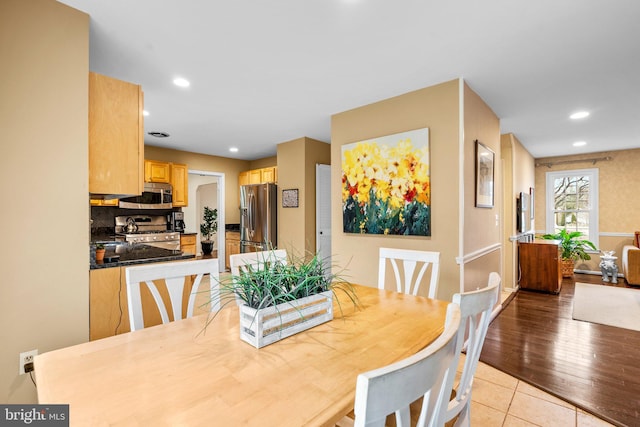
pixel 150 230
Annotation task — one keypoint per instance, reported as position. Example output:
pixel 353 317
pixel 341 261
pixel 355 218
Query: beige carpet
pixel 607 305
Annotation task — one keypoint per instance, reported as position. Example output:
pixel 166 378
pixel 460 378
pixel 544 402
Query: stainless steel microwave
pixel 155 195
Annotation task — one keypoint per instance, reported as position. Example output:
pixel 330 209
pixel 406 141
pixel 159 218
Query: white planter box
pixel 268 325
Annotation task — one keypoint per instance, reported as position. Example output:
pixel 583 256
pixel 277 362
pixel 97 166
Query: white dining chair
pixel 408 280
pixel 240 263
pixel 174 275
pixel 475 308
pixel 391 389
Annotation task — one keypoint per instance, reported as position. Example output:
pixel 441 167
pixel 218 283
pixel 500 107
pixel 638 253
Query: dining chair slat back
pixel 391 389
pixel 243 262
pixel 476 308
pixel 414 266
pixel 174 275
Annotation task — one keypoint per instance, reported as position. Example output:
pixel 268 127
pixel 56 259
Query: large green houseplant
pixel 572 248
pixel 208 228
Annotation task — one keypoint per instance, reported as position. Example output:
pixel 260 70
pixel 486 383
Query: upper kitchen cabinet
pixel 258 176
pixel 180 184
pixel 155 171
pixel 269 174
pixel 175 174
pixel 116 143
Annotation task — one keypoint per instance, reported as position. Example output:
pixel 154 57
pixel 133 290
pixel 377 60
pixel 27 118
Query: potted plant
pixel 100 250
pixel 208 228
pixel 573 248
pixel 278 298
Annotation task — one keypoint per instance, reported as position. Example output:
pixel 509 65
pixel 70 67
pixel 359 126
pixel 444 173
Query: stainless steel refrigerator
pixel 258 217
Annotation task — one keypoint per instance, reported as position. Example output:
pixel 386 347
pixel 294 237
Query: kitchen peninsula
pixel 125 254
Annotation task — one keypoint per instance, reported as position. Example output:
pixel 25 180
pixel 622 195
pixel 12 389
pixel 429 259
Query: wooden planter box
pixel 268 325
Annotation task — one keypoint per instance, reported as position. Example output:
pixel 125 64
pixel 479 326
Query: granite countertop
pixel 130 254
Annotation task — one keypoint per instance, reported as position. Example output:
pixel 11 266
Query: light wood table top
pixel 173 375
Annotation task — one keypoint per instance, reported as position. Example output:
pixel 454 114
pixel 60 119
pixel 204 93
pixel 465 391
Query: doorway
pixel 323 214
pixel 206 189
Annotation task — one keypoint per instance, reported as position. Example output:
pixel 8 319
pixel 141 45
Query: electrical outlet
pixel 26 357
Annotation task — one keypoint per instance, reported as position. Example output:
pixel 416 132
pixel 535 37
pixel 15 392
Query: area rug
pixel 607 305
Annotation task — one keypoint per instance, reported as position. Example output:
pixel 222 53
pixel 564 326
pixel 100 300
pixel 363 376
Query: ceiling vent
pixel 159 134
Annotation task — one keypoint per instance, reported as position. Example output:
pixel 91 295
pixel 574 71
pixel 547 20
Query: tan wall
pixel 518 175
pixel 290 175
pixel 436 108
pixel 267 162
pixel 619 203
pixel 44 296
pixel 230 167
pixel 481 231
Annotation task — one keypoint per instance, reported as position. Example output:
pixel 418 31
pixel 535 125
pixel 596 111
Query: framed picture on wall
pixel 531 201
pixel 485 161
pixel 386 185
pixel 290 198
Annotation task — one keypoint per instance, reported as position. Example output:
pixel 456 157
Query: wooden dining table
pixel 180 374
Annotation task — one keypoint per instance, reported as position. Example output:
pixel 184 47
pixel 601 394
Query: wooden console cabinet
pixel 539 263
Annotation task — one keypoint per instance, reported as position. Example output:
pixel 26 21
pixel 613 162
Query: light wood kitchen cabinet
pixel 540 268
pixel 232 245
pixel 108 313
pixel 269 174
pixel 116 143
pixel 176 174
pixel 188 243
pixel 109 202
pixel 180 184
pixel 108 307
pixel 243 178
pixel 255 176
pixel 258 176
pixel 155 171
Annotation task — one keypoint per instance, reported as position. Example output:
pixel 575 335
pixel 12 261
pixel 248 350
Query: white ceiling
pixel 264 72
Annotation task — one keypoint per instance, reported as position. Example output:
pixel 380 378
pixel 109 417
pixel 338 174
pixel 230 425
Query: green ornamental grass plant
pixel 274 282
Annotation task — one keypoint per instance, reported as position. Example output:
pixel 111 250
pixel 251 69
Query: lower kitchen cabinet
pixel 188 243
pixel 108 308
pixel 232 245
pixel 540 268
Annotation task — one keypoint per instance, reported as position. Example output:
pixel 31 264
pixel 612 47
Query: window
pixel 572 202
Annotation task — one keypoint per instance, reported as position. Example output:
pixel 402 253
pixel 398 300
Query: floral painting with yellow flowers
pixel 386 187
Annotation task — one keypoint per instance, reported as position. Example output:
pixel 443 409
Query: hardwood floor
pixel 594 367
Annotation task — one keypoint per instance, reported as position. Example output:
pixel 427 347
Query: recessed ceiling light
pixel 233 149
pixel 179 81
pixel 145 113
pixel 579 115
pixel 580 143
pixel 159 134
